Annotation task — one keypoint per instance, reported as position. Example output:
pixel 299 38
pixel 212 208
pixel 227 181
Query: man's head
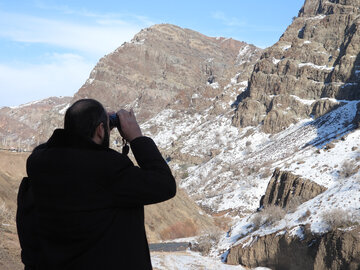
pixel 88 118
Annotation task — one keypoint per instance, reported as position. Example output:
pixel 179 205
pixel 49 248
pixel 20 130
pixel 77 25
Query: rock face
pixel 339 249
pixel 165 65
pixel 278 252
pixel 317 57
pixel 285 187
pixel 335 250
pixel 27 125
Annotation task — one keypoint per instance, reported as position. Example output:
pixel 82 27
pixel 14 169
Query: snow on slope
pixel 236 165
pixel 190 261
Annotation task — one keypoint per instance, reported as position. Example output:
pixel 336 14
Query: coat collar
pixel 64 138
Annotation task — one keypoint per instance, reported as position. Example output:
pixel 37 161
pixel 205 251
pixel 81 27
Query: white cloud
pixel 59 74
pixel 229 21
pixel 243 25
pixel 62 76
pixel 99 37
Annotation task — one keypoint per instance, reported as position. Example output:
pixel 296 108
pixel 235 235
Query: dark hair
pixel 84 116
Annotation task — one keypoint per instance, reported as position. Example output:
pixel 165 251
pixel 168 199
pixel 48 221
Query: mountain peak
pixel 164 65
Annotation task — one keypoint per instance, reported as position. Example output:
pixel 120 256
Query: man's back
pixel 89 202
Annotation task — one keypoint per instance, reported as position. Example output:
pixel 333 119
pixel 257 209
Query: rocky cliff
pixel 316 59
pixel 339 249
pixel 285 188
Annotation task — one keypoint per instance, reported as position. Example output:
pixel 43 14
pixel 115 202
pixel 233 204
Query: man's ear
pixel 99 134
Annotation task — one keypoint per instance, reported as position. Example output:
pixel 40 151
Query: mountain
pixel 164 65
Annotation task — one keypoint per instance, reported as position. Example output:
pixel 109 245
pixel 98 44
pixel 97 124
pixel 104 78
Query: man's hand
pixel 130 129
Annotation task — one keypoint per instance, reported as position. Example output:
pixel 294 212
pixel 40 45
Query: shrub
pixel 180 229
pixel 250 170
pixel 338 218
pixel 268 216
pixel 206 242
pixel 185 175
pixel 304 216
pixel 348 169
pixel 6 216
pixel 154 129
pixel 223 222
pixel 248 133
pixel 267 172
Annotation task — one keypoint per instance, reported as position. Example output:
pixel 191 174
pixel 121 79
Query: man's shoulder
pixel 43 153
pixel 112 155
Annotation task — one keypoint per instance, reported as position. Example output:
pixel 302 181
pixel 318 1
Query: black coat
pixel 82 206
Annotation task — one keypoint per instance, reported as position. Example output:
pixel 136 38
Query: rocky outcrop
pixel 285 187
pixel 339 249
pixel 296 248
pixel 317 57
pixel 277 251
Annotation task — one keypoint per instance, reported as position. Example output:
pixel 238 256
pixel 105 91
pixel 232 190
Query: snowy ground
pixel 190 261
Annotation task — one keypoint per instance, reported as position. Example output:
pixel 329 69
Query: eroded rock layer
pixel 338 249
pixel 317 57
pixel 285 187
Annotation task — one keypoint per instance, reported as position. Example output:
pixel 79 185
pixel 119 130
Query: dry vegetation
pixel 206 242
pixel 180 229
pixel 338 218
pixel 6 215
pixel 348 169
pixel 268 216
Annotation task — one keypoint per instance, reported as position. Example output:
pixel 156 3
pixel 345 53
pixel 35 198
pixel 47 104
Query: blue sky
pixel 48 48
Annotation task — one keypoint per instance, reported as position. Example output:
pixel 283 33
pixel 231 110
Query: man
pixel 82 205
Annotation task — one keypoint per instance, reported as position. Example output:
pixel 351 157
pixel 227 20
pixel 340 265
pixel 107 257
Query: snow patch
pixel 214 85
pixel 304 101
pixel 63 110
pixel 89 81
pixel 286 47
pixel 316 66
pixel 275 61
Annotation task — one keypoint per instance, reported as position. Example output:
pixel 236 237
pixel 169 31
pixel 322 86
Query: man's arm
pixel 26 222
pixel 153 182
